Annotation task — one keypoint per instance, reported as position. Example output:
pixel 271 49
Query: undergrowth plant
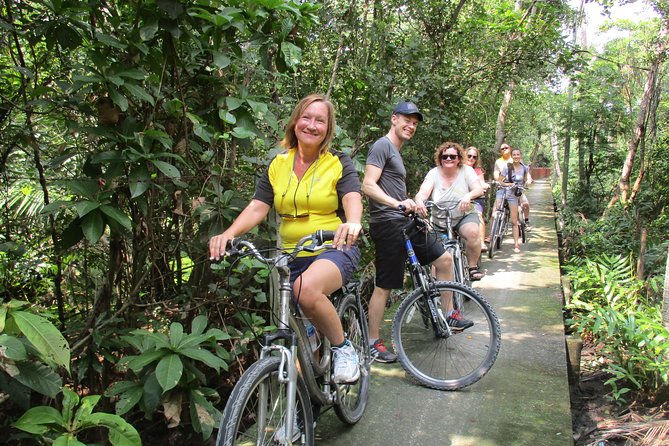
pixel 167 372
pixel 65 427
pixel 612 308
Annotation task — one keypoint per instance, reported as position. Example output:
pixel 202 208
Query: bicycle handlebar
pixel 311 243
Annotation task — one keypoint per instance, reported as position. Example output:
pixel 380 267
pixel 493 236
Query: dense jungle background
pixel 132 131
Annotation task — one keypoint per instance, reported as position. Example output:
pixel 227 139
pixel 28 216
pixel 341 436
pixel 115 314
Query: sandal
pixel 475 274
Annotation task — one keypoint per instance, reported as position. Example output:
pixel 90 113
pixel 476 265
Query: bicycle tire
pixel 352 398
pixel 239 423
pixel 494 229
pixel 504 221
pixel 521 224
pixel 446 363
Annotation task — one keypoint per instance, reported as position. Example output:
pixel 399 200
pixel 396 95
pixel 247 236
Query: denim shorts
pixel 346 261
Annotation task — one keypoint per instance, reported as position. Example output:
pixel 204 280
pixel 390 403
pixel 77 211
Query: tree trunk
pixel 501 116
pixel 567 146
pixel 640 127
pixel 555 150
pixel 665 296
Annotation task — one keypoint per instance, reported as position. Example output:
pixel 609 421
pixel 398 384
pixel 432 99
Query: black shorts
pixel 391 253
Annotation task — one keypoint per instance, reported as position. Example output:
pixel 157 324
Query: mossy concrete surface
pixel 523 400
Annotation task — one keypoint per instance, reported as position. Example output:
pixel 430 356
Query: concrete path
pixel 523 400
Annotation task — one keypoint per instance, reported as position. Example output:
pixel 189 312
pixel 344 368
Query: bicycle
pixel 429 350
pixel 273 402
pixel 522 225
pixel 453 244
pixel 500 222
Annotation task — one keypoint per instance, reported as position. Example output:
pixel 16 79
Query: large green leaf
pixel 176 334
pixel 121 433
pixel 12 348
pixel 137 363
pixel 93 226
pixel 70 402
pixel 167 168
pixel 169 371
pixel 44 336
pixel 292 54
pixel 85 206
pixel 139 180
pixel 37 420
pixel 198 325
pixel 3 317
pixel 128 399
pixel 84 411
pixel 38 377
pixel 203 414
pixel 204 356
pixel 139 93
pixel 116 215
pixel 68 440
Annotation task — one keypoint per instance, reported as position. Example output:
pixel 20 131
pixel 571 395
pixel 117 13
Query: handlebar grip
pixel 324 236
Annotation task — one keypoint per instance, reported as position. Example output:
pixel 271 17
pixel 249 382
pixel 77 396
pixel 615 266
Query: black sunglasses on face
pixel 472 157
pixel 448 156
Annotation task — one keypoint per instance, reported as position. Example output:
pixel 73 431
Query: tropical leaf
pixel 44 336
pixel 38 377
pixel 37 420
pixel 169 371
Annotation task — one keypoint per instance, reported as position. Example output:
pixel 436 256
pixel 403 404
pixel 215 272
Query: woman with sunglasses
pixel 311 188
pixel 454 181
pixel 473 162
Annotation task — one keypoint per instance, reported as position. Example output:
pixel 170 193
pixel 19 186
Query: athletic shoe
pixel 346 368
pixel 457 322
pixel 528 228
pixel 380 353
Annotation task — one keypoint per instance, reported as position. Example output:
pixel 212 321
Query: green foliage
pixel 167 372
pixel 610 307
pixel 64 427
pixel 31 348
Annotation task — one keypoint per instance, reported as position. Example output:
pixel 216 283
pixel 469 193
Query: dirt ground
pixel 598 421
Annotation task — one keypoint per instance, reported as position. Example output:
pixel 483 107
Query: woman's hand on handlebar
pixel 217 246
pixel 346 235
pixel 465 203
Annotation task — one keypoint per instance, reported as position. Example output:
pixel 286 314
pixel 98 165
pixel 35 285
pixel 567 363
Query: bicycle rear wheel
pixel 255 413
pixel 494 236
pixel 352 398
pixel 449 362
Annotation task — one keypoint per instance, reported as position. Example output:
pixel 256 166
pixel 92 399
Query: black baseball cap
pixel 407 108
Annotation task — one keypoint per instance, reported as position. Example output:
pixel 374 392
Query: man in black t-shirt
pixel 385 185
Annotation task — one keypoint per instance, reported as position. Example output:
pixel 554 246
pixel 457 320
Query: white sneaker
pixel 346 368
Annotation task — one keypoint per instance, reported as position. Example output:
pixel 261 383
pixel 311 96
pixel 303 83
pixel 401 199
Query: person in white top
pixel 453 181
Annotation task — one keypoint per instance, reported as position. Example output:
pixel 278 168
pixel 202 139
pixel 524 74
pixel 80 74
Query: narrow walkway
pixel 524 399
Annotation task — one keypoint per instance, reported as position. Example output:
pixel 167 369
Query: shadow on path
pixel 523 400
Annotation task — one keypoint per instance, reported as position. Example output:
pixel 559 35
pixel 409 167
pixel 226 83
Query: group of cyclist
pixel 314 188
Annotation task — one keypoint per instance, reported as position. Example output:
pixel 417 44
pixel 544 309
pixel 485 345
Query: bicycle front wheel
pixel 352 398
pixel 255 413
pixel 448 362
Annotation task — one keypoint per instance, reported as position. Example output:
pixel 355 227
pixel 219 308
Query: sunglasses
pixel 472 157
pixel 448 156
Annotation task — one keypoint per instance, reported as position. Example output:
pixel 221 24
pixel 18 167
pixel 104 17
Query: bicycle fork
pixel 441 327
